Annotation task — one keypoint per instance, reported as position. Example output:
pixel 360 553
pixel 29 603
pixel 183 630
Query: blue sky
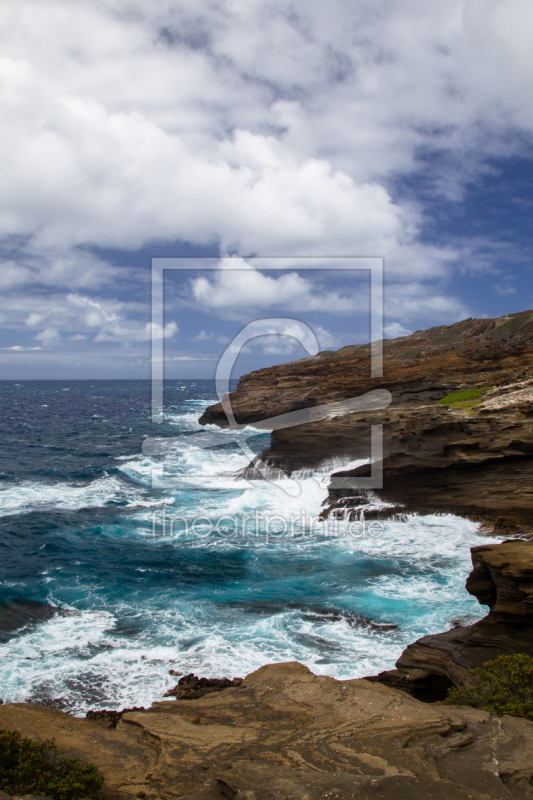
pixel 351 128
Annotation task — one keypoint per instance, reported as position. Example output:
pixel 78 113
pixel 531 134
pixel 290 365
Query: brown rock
pixel 502 578
pixel 190 687
pixel 286 734
pixel 475 461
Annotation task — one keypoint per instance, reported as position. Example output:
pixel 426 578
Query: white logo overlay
pixel 376 400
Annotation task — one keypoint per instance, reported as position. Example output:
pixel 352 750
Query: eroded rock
pixel 473 460
pixel 502 578
pixel 287 734
pixel 190 687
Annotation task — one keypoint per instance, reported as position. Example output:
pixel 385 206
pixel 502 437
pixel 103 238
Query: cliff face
pixel 502 578
pixel 474 460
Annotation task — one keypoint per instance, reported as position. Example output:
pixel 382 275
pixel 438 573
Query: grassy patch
pixel 465 398
pixel 502 686
pixel 28 767
pixel 411 354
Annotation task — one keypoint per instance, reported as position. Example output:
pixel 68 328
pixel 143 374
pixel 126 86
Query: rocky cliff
pixel 502 578
pixel 286 734
pixel 472 456
pixel 458 437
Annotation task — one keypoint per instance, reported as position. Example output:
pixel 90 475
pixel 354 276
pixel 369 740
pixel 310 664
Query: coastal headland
pixel 458 438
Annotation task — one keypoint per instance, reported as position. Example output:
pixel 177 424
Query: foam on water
pixel 260 580
pixel 37 496
pixel 303 611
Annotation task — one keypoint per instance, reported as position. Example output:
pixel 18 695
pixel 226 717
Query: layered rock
pixel 502 578
pixel 286 734
pixel 474 460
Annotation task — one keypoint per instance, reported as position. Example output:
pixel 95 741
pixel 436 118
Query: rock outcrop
pixel 502 578
pixel 286 734
pixel 190 687
pixel 474 458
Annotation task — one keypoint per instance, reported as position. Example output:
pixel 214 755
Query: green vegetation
pixel 28 767
pixel 502 686
pixel 446 338
pixel 510 327
pixel 465 398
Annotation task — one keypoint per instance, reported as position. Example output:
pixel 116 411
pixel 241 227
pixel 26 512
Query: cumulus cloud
pixel 255 127
pixel 406 301
pixel 238 285
pixel 279 344
pixel 249 125
pixel 394 329
pixel 48 335
pixel 82 318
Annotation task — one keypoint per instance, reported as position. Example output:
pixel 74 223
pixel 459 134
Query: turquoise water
pixel 177 562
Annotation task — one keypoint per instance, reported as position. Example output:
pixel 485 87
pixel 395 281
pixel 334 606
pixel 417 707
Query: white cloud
pixel 48 335
pixel 188 358
pixel 394 329
pixel 11 274
pixel 138 133
pixel 263 127
pixel 159 359
pixel 407 301
pixel 278 344
pixel 77 269
pixel 327 340
pixel 505 289
pixel 238 286
pixel 81 318
pixel 19 348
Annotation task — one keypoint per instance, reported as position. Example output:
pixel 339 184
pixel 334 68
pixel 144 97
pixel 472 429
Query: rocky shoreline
pixel 287 734
pixel 284 733
pixel 502 578
pixel 472 458
pixel 457 438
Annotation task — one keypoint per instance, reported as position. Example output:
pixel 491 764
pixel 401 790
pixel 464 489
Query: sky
pixel 227 129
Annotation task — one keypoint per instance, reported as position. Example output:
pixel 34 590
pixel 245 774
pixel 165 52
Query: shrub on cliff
pixel 465 398
pixel 28 767
pixel 502 686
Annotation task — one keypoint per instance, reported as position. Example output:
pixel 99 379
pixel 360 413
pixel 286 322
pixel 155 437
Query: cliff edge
pixel 502 579
pixel 472 455
pixel 287 734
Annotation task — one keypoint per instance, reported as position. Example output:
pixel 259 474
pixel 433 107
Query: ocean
pixel 116 567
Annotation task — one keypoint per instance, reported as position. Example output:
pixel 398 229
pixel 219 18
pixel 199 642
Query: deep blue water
pixel 116 567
